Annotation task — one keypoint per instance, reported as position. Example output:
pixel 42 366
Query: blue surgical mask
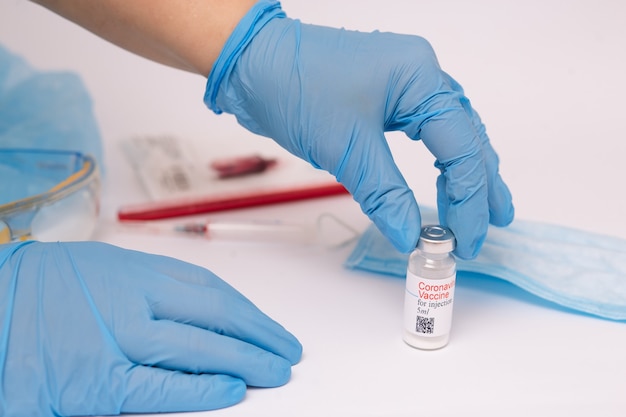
pixel 575 269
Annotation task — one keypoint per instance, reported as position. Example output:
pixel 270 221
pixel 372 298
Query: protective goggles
pixel 47 195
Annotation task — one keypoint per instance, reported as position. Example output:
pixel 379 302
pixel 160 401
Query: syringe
pixel 254 230
pixel 241 230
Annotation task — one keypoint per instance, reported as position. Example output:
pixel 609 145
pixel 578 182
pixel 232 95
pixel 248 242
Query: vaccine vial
pixel 429 295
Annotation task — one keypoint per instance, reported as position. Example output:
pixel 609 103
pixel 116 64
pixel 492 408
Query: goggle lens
pixel 67 211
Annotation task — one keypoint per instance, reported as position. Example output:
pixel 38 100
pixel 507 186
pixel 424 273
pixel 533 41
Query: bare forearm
pixel 185 34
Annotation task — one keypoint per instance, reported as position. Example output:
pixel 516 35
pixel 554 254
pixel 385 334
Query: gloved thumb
pixel 370 174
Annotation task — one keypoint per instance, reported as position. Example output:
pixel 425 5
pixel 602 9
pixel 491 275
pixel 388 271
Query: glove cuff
pixel 261 13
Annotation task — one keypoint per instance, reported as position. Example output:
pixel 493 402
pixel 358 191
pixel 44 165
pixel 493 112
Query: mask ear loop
pixel 334 233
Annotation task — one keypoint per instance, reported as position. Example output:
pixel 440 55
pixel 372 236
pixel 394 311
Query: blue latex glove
pixel 88 328
pixel 328 95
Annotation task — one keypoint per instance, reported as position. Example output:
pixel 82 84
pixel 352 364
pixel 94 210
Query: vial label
pixel 428 305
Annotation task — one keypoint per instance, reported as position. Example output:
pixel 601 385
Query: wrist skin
pixel 187 35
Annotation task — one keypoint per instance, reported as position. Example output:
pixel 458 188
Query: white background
pixel 549 80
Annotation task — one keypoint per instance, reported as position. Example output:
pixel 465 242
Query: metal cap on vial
pixel 436 239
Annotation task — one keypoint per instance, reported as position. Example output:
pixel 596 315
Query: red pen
pixel 197 205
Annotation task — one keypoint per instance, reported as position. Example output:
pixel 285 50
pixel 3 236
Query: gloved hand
pixel 88 328
pixel 328 95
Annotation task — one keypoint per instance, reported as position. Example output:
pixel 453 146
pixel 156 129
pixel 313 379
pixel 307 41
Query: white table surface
pixel 548 78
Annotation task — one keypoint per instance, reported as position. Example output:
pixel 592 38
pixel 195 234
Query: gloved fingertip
pixel 288 348
pixel 469 251
pixel 231 391
pixel 282 372
pixel 502 217
pixel 235 389
pixel 502 221
pixel 469 240
pixel 408 245
pixel 466 253
pixel 403 230
pixel 404 240
pixel 280 342
pixel 294 353
pixel 275 373
pixel 501 210
pixel 158 390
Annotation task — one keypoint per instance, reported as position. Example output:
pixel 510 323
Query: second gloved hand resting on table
pixel 328 95
pixel 87 329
